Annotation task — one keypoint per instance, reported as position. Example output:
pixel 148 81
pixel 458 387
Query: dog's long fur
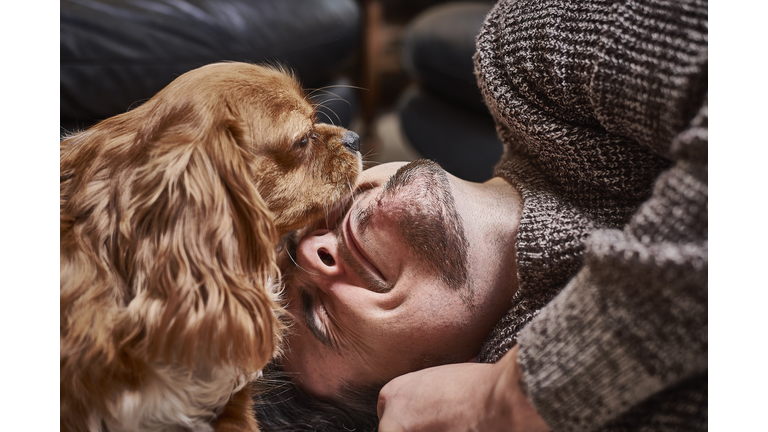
pixel 170 215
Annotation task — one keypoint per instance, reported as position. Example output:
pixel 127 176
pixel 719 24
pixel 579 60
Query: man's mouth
pixel 357 252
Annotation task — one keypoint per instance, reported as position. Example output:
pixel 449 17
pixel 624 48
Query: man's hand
pixel 459 397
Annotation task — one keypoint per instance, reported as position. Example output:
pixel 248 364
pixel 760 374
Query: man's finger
pixel 381 404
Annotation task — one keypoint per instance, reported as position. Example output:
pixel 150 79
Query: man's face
pixel 401 282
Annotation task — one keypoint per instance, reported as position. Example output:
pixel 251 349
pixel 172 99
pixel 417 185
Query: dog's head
pixel 170 214
pixel 298 165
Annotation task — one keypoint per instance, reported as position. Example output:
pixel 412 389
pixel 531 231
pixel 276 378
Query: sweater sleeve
pixel 633 322
pixel 607 101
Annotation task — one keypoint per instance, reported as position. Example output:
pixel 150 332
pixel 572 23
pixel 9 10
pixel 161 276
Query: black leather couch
pixel 115 54
pixel 443 115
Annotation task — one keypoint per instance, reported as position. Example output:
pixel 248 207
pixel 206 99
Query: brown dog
pixel 170 217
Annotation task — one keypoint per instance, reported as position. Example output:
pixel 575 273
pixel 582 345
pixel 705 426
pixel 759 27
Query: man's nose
pixel 317 253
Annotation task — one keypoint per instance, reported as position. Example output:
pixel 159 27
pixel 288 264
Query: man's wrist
pixel 511 399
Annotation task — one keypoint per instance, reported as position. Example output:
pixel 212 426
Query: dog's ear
pixel 201 245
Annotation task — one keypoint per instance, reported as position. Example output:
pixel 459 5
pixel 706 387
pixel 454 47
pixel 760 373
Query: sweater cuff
pixel 631 323
pixel 578 380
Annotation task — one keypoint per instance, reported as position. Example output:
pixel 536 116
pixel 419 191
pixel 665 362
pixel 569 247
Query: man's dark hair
pixel 282 406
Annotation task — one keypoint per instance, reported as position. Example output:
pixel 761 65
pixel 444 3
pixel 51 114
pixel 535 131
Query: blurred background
pixel 397 72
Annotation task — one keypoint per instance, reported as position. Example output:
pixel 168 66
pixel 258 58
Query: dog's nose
pixel 351 141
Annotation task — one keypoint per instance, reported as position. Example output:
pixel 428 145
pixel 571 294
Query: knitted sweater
pixel 602 106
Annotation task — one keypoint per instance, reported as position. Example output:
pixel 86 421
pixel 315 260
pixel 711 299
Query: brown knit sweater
pixel 602 107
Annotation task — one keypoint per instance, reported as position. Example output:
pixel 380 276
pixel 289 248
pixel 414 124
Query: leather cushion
pixel 463 142
pixel 438 48
pixel 115 53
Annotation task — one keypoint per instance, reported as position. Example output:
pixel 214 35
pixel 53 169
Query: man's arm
pixel 633 322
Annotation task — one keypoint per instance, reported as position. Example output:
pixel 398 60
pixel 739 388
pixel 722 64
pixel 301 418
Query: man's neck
pixel 494 209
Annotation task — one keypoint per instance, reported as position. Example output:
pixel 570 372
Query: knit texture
pixel 602 107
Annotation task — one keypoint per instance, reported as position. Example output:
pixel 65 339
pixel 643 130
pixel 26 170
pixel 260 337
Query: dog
pixel 170 219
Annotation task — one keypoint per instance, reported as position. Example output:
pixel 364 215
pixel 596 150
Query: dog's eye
pixel 305 140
